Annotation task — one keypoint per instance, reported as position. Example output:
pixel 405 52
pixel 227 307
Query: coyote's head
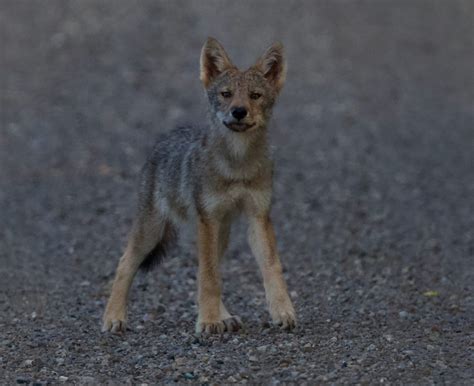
pixel 241 101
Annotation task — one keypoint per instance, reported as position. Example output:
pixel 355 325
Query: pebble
pixel 62 378
pixel 441 365
pixel 262 348
pixel 403 314
pixel 189 375
pixel 253 358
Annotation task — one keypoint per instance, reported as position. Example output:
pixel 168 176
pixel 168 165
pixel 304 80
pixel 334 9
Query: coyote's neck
pixel 240 155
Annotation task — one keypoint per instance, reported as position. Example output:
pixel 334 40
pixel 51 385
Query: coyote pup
pixel 212 174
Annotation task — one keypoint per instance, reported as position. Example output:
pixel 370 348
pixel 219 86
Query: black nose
pixel 239 113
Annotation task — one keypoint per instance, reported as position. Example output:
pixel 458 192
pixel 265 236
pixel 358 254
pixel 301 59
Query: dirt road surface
pixel 374 191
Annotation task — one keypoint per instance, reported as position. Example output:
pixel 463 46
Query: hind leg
pixel 146 233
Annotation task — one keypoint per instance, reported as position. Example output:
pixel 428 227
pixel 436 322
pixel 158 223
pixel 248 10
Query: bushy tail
pixel 158 253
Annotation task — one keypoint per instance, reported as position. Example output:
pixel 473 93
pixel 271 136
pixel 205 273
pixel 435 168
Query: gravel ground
pixel 374 188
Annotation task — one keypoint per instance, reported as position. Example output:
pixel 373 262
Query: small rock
pixel 388 337
pixel 160 308
pixel 333 339
pixel 441 365
pixel 253 358
pixel 403 314
pixel 189 375
pixel 307 347
pixel 372 347
pixel 231 379
pixel 62 378
pixel 29 362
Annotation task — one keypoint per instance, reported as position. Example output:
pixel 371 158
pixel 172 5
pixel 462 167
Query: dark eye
pixel 255 95
pixel 226 94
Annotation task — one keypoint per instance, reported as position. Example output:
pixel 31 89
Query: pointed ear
pixel 273 65
pixel 214 61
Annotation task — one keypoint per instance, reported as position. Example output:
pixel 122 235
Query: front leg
pixel 263 244
pixel 209 286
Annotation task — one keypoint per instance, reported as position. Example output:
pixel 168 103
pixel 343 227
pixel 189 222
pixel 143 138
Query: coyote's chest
pixel 250 196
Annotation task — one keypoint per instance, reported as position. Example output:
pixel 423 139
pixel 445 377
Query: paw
pixel 286 321
pixel 116 324
pixel 284 317
pixel 233 324
pixel 210 327
pixel 219 327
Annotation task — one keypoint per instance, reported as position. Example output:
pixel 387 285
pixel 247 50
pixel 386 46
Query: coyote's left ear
pixel 214 61
pixel 273 65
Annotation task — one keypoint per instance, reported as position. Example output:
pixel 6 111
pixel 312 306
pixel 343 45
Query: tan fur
pixel 263 244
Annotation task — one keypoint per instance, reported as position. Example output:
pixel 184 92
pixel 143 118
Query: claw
pixel 230 324
pixel 285 320
pixel 233 324
pixel 115 326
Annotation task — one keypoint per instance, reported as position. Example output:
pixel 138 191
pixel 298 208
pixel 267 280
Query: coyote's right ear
pixel 214 61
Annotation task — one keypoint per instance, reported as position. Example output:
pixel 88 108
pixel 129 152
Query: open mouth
pixel 239 126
